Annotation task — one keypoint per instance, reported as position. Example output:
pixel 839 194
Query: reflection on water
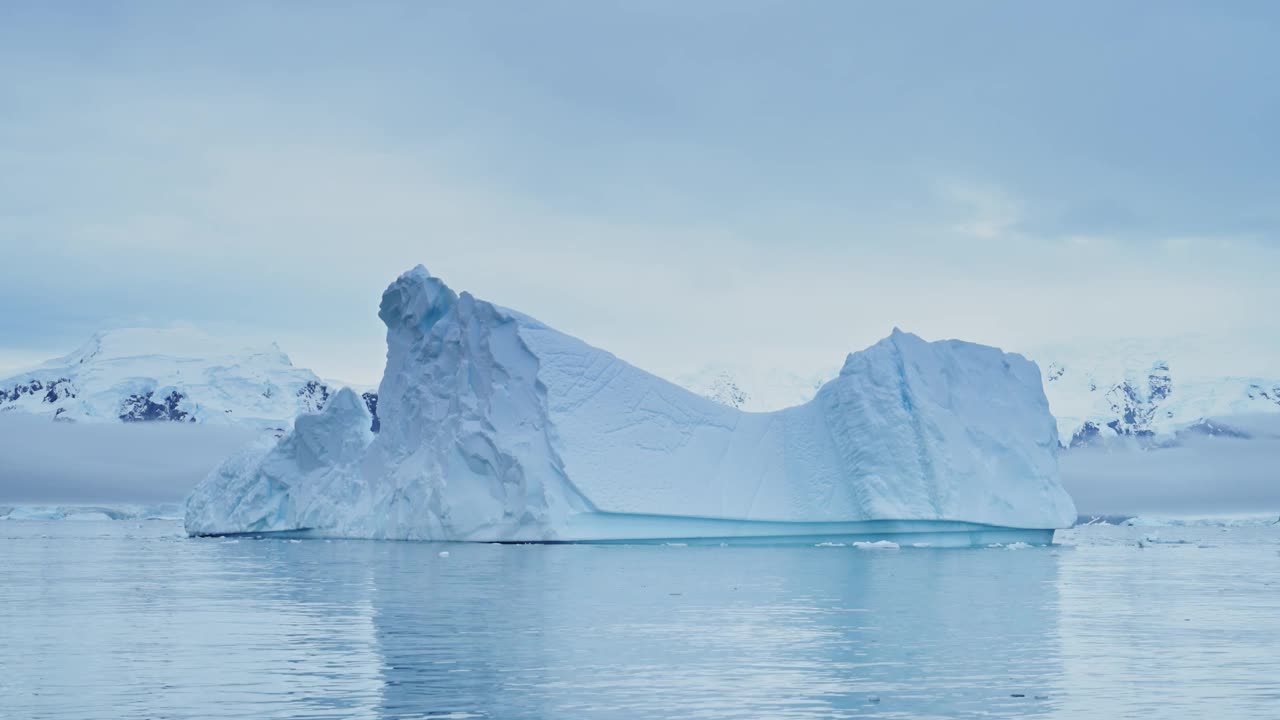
pixel 110 619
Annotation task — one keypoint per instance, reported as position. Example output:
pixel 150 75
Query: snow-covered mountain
pixel 755 389
pixel 1151 391
pixel 1154 390
pixel 170 374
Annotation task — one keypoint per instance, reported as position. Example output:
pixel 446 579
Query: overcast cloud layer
pixel 677 182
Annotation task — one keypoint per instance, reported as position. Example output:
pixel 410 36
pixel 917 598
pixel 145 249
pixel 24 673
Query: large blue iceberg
pixel 495 427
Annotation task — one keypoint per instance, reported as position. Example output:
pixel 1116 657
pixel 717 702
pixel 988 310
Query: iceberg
pixel 498 428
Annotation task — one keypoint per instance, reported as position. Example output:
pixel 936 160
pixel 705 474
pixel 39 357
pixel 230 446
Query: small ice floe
pixel 229 542
pixel 921 545
pixel 676 544
pixel 444 553
pixel 295 541
pixel 829 544
pixel 877 545
pixel 1016 546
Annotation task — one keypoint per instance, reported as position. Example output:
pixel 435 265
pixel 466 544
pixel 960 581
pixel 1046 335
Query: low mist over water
pixel 46 461
pixel 1201 475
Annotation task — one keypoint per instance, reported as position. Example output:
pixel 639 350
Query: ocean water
pixel 103 618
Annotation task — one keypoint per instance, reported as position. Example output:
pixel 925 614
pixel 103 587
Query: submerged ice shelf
pixel 495 427
pixel 618 527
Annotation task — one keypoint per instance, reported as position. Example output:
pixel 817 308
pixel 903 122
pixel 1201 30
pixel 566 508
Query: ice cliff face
pixel 308 477
pixel 497 427
pixel 172 375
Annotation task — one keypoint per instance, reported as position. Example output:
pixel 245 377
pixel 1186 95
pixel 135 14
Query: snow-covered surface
pixel 170 374
pixel 1219 521
pixel 497 427
pixel 1154 388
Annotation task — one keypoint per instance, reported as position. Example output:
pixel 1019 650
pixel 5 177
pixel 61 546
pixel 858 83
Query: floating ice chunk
pixel 877 545
pixel 497 427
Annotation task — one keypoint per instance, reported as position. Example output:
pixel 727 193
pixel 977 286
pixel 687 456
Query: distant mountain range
pixel 170 374
pixel 1151 391
pixel 755 389
pixel 1143 392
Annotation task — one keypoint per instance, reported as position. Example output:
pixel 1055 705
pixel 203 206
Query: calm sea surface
pixel 130 619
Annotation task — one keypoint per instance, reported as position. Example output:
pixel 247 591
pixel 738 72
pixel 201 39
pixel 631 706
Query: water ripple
pixel 109 619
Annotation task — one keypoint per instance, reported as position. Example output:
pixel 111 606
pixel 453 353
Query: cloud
pixel 12 361
pixel 987 211
pixel 752 193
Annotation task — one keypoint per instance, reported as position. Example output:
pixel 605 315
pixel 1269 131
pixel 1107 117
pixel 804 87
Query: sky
pixel 685 184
